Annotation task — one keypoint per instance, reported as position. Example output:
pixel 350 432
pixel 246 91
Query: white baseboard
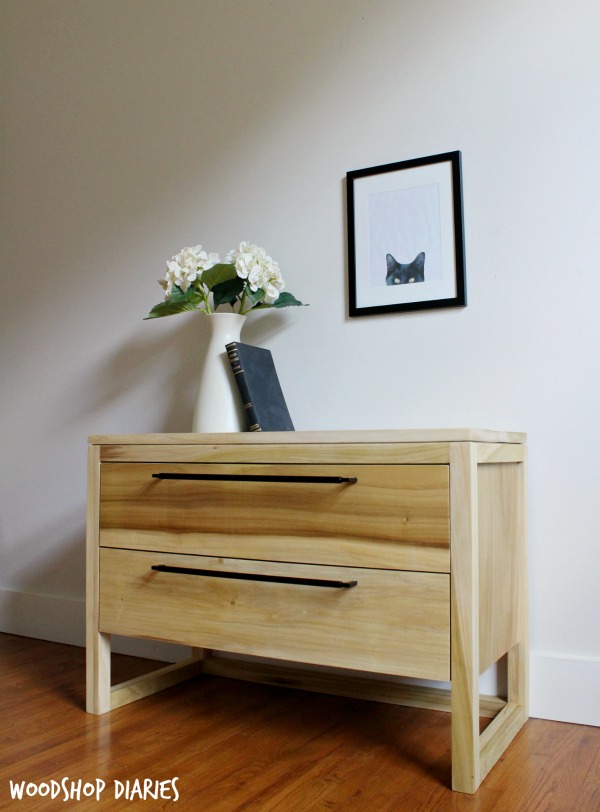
pixel 563 688
pixel 62 620
pixel 46 617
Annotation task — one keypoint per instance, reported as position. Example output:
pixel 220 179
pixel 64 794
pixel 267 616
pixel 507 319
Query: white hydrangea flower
pixel 267 279
pixel 272 290
pixel 261 271
pixel 174 275
pixel 185 267
pixel 246 257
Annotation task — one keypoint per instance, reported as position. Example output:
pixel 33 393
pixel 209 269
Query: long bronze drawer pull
pixel 243 576
pixel 334 480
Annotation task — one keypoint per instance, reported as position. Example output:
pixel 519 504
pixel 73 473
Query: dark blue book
pixel 254 371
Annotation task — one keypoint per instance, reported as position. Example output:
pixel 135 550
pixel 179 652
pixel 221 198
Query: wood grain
pixel 392 516
pixel 346 628
pixel 369 436
pixel 502 561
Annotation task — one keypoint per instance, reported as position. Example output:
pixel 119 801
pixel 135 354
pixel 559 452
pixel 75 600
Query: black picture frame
pixel 405 225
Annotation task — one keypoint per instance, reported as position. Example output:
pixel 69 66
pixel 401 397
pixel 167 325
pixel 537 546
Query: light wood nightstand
pixel 384 553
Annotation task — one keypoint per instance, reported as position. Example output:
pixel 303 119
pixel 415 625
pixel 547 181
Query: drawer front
pixel 389 622
pixel 389 516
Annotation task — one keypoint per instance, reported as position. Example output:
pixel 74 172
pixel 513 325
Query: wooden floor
pixel 239 746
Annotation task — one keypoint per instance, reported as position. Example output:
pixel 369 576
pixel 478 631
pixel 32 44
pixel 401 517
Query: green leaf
pixel 283 300
pixel 286 299
pixel 254 297
pixel 228 291
pixel 221 272
pixel 179 302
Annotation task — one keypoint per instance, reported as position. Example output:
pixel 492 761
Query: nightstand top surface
pixel 316 437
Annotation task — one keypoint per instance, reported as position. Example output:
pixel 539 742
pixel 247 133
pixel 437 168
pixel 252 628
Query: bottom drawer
pixel 390 622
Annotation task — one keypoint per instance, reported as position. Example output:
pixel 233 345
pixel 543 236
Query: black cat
pixel 401 274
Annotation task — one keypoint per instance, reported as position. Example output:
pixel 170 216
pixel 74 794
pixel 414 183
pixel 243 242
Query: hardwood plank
pixel 236 746
pixel 593 774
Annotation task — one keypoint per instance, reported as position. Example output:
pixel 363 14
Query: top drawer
pixel 390 516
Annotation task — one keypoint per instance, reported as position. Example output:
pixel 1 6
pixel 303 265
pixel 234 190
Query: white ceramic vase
pixel 219 405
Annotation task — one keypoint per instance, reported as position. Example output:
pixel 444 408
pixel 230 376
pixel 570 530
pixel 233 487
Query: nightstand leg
pixel 98 698
pixel 464 619
pixel 98 694
pixel 465 738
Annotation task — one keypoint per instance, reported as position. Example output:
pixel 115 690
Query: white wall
pixel 134 128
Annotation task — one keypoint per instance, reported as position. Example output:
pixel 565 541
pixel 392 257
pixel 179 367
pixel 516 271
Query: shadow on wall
pixel 163 365
pixel 162 369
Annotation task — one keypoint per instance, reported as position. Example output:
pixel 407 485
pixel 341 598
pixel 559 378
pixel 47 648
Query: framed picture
pixel 405 236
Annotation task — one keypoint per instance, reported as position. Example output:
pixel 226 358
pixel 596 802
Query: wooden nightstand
pixel 395 553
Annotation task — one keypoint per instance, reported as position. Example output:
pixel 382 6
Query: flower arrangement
pixel 247 280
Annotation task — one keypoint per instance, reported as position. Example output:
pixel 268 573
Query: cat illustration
pixel 401 274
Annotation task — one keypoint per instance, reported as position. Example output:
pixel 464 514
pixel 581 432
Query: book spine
pixel 240 379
